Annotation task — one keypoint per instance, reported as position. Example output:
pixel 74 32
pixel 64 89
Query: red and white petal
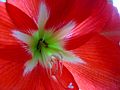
pixel 58 12
pixel 65 30
pixel 11 78
pixel 33 81
pixel 36 79
pixel 39 79
pixel 63 11
pixel 22 21
pixel 102 68
pixel 94 23
pixel 43 15
pixel 73 43
pixel 24 38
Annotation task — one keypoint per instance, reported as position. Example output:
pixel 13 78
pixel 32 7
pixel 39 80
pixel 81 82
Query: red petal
pixel 80 11
pixel 20 19
pixel 34 81
pixel 102 68
pixel 10 73
pixel 38 79
pixel 14 53
pixel 114 18
pixel 94 23
pixel 63 11
pixel 112 28
pixel 6 26
pixel 29 7
pixel 73 43
pixel 6 38
pixel 11 78
pixel 5 21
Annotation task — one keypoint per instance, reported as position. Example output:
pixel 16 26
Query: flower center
pixel 47 49
pixel 47 46
pixel 41 43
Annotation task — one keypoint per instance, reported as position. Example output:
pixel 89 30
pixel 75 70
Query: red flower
pixel 57 45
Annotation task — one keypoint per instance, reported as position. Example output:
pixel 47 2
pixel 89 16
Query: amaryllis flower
pixel 57 45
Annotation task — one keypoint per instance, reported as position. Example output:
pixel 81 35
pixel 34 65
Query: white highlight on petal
pixel 43 15
pixel 2 0
pixel 111 33
pixel 29 66
pixel 70 57
pixel 70 85
pixel 21 36
pixel 64 31
pixel 119 43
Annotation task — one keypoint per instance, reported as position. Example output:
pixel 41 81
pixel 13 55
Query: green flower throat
pixel 45 44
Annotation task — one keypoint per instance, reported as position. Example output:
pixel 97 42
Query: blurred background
pixel 116 3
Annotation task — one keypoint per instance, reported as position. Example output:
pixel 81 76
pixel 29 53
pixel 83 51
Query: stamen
pixel 42 43
pixel 61 67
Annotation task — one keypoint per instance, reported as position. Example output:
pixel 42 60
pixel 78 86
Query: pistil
pixel 41 43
